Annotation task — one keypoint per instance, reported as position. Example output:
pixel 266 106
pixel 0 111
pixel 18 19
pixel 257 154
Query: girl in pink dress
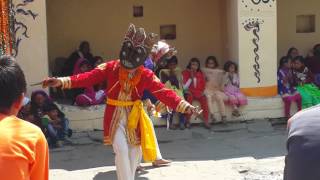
pixel 232 90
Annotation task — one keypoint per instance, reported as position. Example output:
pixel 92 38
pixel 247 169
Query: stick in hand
pixel 194 110
pixel 51 82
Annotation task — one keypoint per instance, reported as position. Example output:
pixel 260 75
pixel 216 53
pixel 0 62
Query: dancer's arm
pixel 86 79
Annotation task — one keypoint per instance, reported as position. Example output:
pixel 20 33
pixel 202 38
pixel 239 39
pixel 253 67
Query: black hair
pixel 83 44
pixel 283 60
pixel 300 59
pixel 52 106
pixel 173 59
pixel 196 60
pixel 228 64
pixel 12 83
pixel 214 59
pixel 290 50
pixel 34 106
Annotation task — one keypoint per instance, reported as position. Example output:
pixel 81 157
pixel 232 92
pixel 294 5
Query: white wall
pixel 33 54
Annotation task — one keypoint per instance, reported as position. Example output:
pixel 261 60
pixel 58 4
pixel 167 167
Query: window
pixel 306 24
pixel 137 11
pixel 168 32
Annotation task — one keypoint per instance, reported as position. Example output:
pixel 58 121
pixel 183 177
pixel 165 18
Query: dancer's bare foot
pixel 161 162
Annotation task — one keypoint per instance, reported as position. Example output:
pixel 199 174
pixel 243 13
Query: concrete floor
pixel 239 151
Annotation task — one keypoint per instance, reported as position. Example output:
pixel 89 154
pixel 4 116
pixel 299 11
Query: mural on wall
pixel 13 31
pixel 20 28
pixel 253 4
pixel 254 25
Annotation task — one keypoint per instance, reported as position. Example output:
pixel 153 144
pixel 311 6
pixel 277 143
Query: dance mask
pixel 136 47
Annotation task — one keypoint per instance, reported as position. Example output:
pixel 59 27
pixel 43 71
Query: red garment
pixel 196 91
pixel 110 72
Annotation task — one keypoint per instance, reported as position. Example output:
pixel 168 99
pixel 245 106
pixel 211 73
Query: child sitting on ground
pixel 57 125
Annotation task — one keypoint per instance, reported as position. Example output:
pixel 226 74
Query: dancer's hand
pixel 51 82
pixel 193 110
pixel 150 106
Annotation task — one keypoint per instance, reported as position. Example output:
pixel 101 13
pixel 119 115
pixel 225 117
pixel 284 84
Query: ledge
pixel 90 118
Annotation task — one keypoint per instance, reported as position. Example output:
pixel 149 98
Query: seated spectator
pixel 232 90
pixel 25 114
pixel 286 89
pixel 303 81
pixel 57 125
pixel 172 78
pixel 293 52
pixel 194 83
pixel 39 99
pixel 82 52
pixel 313 63
pixel 214 90
pixel 89 96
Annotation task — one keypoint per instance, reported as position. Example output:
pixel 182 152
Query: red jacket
pixel 110 72
pixel 196 91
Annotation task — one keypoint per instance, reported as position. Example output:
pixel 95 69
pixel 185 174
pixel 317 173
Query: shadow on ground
pixel 258 139
pixel 113 175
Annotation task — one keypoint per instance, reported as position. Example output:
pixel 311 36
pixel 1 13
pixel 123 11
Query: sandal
pixel 188 125
pixel 236 113
pixel 224 120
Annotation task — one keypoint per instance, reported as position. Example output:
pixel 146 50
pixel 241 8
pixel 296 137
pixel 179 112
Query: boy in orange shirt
pixel 23 147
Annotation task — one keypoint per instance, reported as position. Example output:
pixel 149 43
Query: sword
pixel 36 84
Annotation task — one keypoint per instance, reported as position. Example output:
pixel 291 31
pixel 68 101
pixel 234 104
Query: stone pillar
pixel 256 38
pixel 32 50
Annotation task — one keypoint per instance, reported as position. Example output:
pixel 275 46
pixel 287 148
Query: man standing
pixel 23 147
pixel 126 125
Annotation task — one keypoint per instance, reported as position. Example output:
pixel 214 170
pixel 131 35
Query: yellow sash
pixel 138 115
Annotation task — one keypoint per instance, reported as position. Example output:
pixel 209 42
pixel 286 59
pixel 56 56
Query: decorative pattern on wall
pixel 20 28
pixel 254 25
pixel 251 4
pixel 13 31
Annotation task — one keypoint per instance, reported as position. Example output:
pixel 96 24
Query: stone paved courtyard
pixel 251 150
